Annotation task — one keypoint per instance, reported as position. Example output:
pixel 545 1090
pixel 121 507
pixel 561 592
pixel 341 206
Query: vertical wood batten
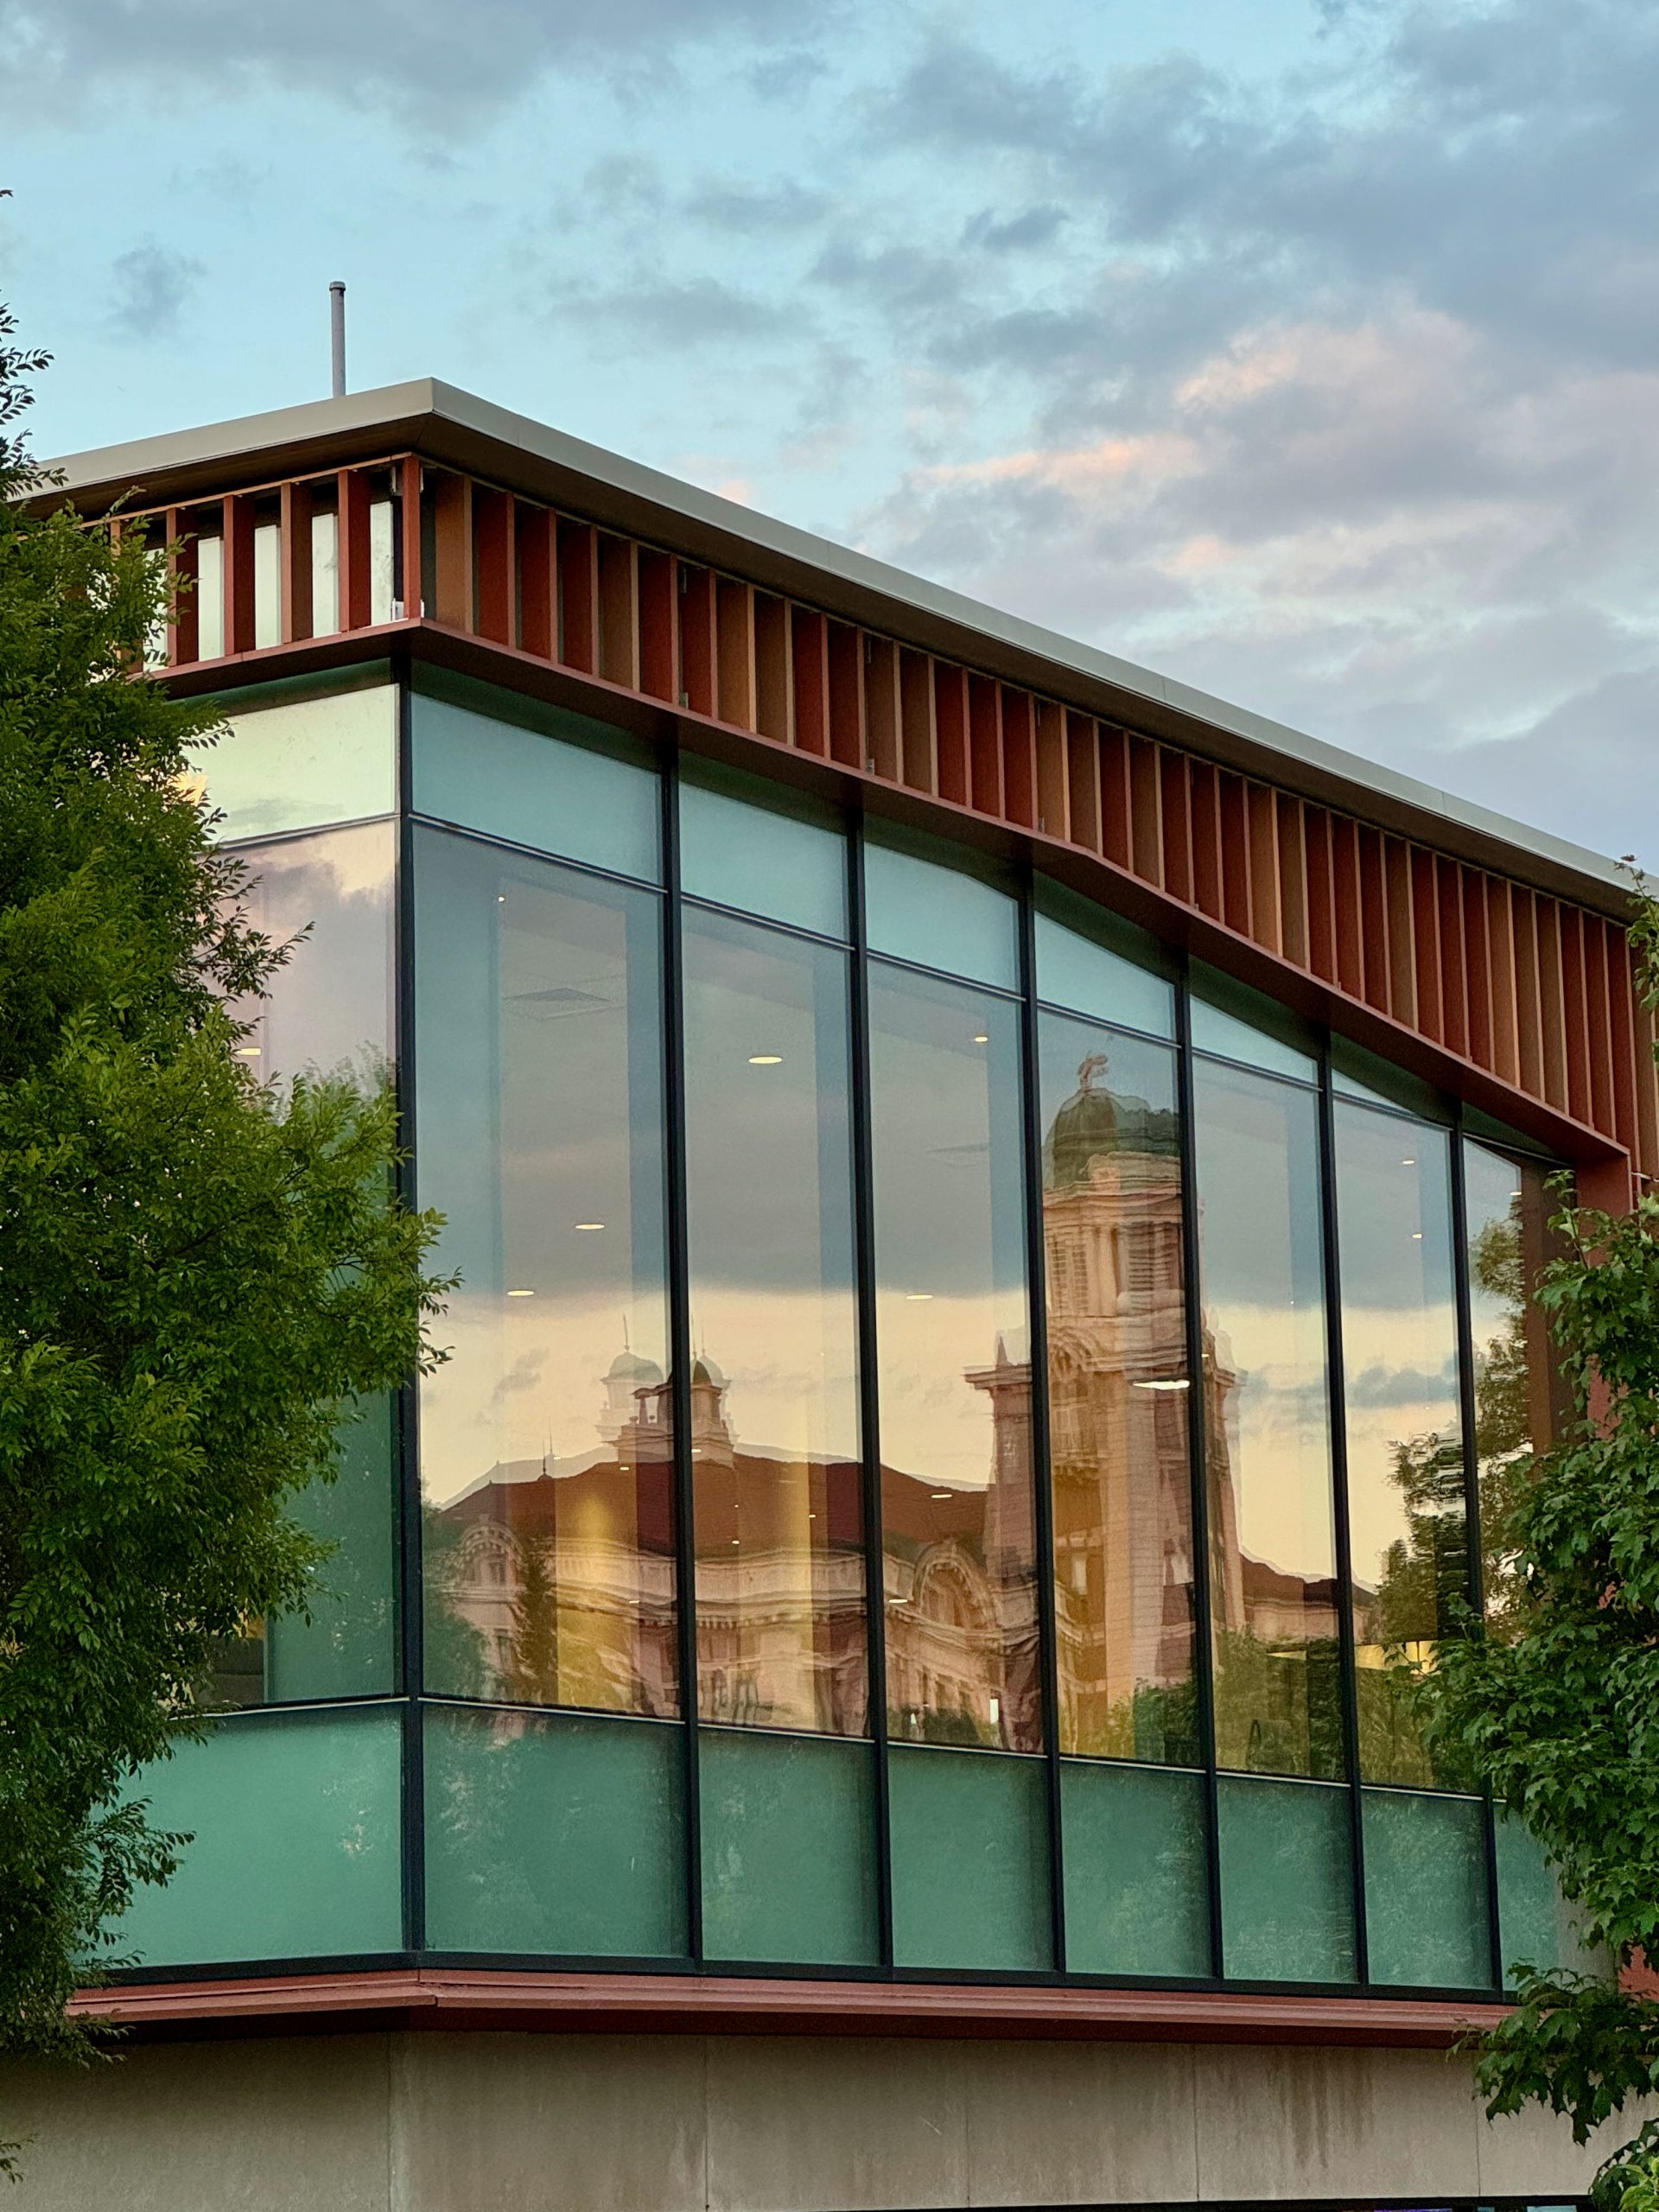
pixel 1117 807
pixel 238 527
pixel 659 625
pixel 985 745
pixel 355 564
pixel 881 708
pixel 1476 951
pixel 1321 908
pixel 952 734
pixel 1262 829
pixel 407 475
pixel 294 522
pixel 577 548
pixel 734 651
pixel 809 638
pixel 1233 808
pixel 538 581
pixel 1053 795
pixel 1083 781
pixel 918 748
pixel 493 565
pixel 848 742
pixel 183 627
pixel 1291 851
pixel 1552 1011
pixel 618 611
pixel 1204 814
pixel 1146 812
pixel 774 716
pixel 1019 756
pixel 697 686
pixel 452 550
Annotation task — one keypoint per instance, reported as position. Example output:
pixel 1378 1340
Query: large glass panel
pixel 554 1834
pixel 970 1861
pixel 940 918
pixel 1267 1425
pixel 545 1450
pixel 558 786
pixel 295 1847
pixel 955 1365
pixel 774 1392
pixel 788 1848
pixel 328 1009
pixel 301 761
pixel 1425 1921
pixel 1405 1429
pixel 1136 1900
pixel 1117 1390
pixel 760 860
pixel 1518 1377
pixel 1287 1881
pixel 1076 971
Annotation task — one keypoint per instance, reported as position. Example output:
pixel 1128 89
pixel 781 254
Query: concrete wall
pixel 517 2123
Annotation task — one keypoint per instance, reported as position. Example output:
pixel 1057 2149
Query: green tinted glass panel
pixel 1072 970
pixel 294 1819
pixel 345 1649
pixel 762 861
pixel 940 918
pixel 788 1848
pixel 970 1860
pixel 1135 1896
pixel 1426 1921
pixel 1286 1911
pixel 1535 1923
pixel 302 762
pixel 553 1835
pixel 547 787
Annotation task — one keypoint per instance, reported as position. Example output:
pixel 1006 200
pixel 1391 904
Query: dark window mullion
pixel 409 1597
pixel 1337 1401
pixel 1041 1455
pixel 869 1391
pixel 679 1349
pixel 1202 1625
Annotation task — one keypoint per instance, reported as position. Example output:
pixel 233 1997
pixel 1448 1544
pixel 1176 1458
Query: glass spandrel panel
pixel 788 1841
pixel 1117 1395
pixel 970 1860
pixel 777 1475
pixel 1074 971
pixel 1404 1422
pixel 940 918
pixel 294 1849
pixel 1287 1881
pixel 761 859
pixel 301 763
pixel 556 1834
pixel 1136 1897
pixel 546 1457
pixel 1426 1925
pixel 347 1648
pixel 1274 1595
pixel 1517 1376
pixel 559 788
pixel 953 1337
pixel 1536 1925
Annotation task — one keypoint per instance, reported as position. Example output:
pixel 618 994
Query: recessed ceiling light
pixel 1164 1383
pixel 590 1224
pixel 1408 1163
pixel 765 1059
pixel 1416 1235
pixel 918 1297
pixel 521 1293
pixel 939 1494
pixel 246 1053
pixel 981 1037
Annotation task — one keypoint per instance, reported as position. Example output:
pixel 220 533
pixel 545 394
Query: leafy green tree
pixel 1559 1709
pixel 197 1275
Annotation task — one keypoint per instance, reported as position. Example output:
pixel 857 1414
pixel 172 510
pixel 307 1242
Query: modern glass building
pixel 994 1201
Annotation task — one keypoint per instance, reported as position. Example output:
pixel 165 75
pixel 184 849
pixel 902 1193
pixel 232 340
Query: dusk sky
pixel 1306 350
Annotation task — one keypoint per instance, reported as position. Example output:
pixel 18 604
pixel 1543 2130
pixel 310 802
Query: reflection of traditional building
pixel 564 1572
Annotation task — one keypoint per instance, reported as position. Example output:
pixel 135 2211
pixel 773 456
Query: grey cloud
pixel 150 287
pixel 1035 226
pixel 748 210
pixel 652 308
pixel 443 65
pixel 1378 1387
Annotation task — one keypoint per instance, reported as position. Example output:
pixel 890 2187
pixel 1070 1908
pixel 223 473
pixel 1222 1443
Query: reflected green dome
pixel 1095 1121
